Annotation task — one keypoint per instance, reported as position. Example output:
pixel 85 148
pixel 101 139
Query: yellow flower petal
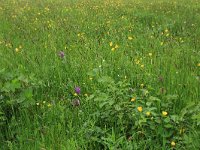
pixel 148 113
pixel 164 113
pixel 49 105
pixel 17 49
pixel 130 38
pixel 116 46
pixel 173 143
pixel 133 99
pixel 139 109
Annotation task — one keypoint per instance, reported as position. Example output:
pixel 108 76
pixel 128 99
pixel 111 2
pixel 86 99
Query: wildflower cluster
pixel 113 47
pixel 137 111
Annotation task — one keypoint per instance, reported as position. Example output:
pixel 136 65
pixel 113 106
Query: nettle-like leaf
pixel 175 118
pixel 154 99
pixel 106 80
pixel 93 73
pixel 2 117
pixel 11 86
pixel 172 97
pixel 196 118
pixel 16 91
pixel 130 112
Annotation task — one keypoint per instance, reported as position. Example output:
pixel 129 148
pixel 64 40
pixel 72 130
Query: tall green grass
pixel 151 46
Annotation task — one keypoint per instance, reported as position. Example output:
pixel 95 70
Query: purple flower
pixel 61 54
pixel 77 90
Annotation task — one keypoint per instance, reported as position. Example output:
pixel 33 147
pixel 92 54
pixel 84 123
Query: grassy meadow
pixel 99 74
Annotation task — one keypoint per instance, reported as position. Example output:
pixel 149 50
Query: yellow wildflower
pixel 150 54
pixel 139 109
pixel 161 43
pixel 198 64
pixel 164 113
pixel 116 46
pixel 142 85
pixel 75 94
pixel 130 38
pixel 173 143
pixel 91 78
pixel 133 99
pixel 148 113
pixel 142 66
pixel 17 49
pixel 49 105
pixel 137 62
pixel 113 49
pixel 86 95
pixel 111 44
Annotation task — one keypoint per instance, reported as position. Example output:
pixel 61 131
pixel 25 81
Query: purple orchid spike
pixel 61 54
pixel 77 90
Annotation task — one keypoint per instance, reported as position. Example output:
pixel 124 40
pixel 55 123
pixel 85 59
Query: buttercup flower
pixel 173 143
pixel 164 113
pixel 150 54
pixel 49 105
pixel 148 113
pixel 133 99
pixel 113 49
pixel 116 46
pixel 142 85
pixel 139 109
pixel 17 49
pixel 130 38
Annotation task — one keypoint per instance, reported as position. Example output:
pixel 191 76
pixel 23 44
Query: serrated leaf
pixel 152 98
pixel 168 126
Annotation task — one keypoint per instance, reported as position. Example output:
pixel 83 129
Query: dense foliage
pixel 110 74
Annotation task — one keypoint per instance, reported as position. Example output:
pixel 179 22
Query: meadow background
pixel 91 74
